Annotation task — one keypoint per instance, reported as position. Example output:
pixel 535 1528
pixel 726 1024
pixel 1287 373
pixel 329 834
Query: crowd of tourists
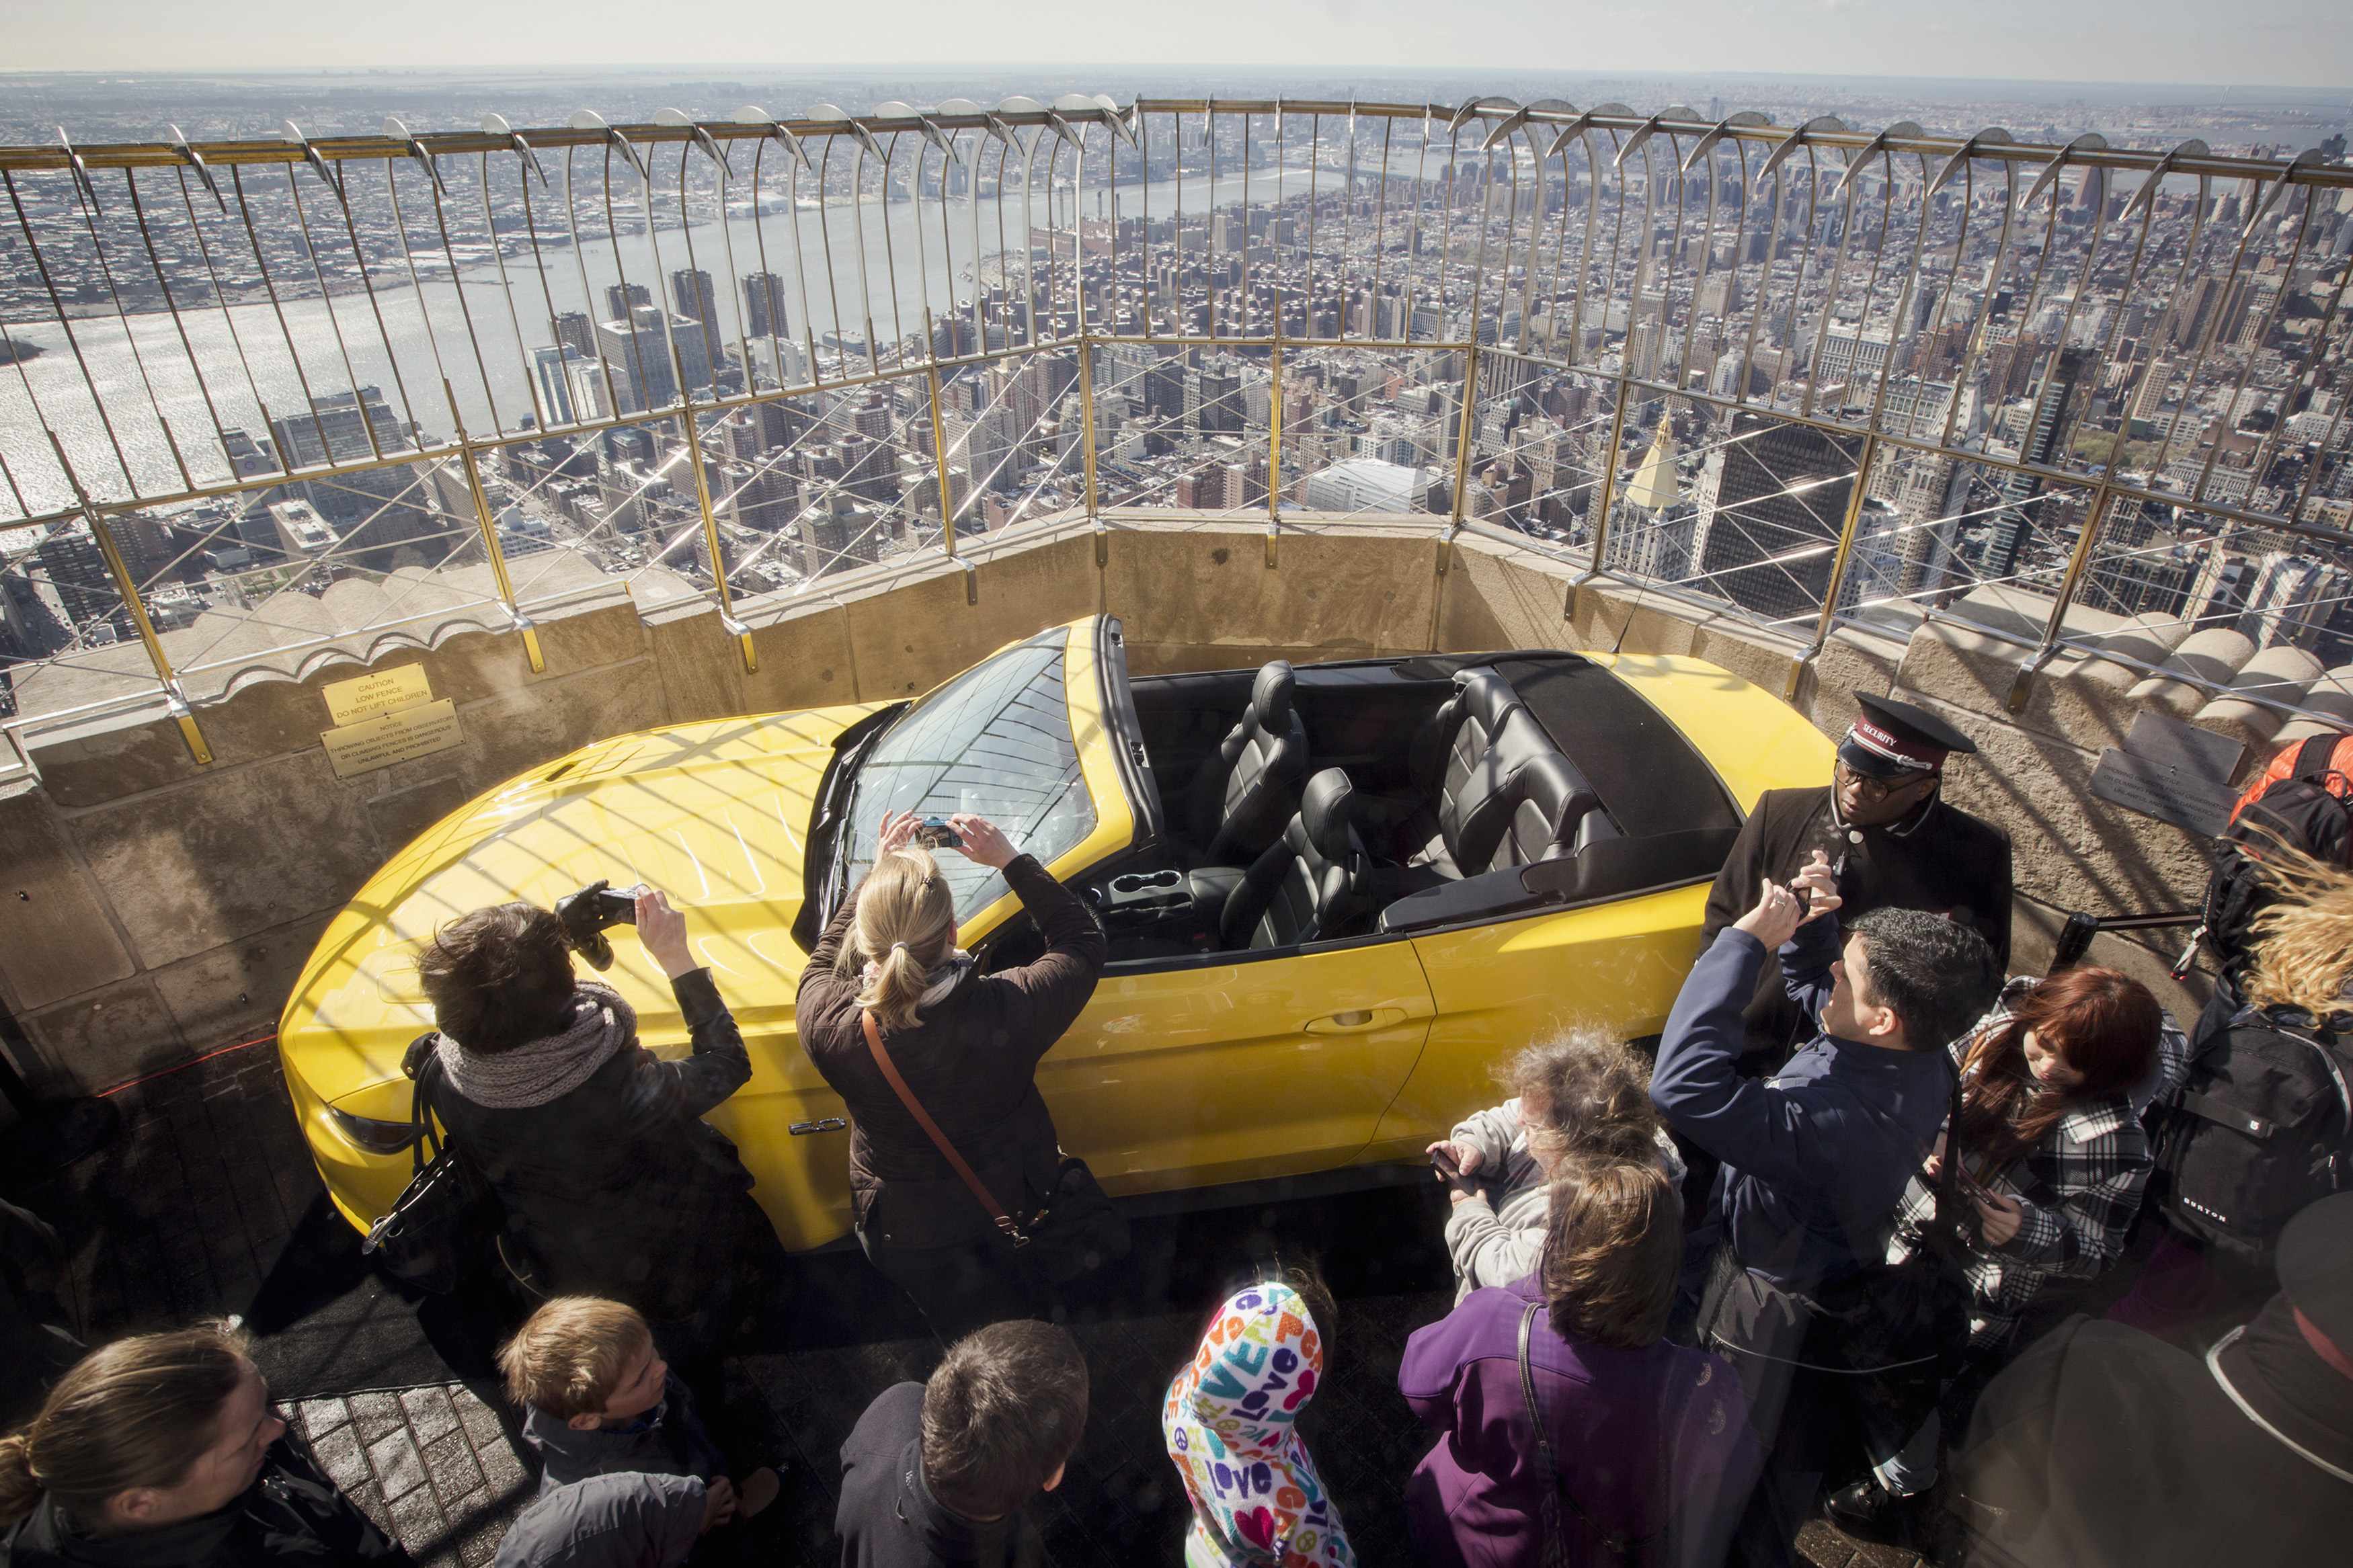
pixel 2009 1270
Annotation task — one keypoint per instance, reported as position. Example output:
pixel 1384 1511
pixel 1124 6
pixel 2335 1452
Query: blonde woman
pixel 966 1044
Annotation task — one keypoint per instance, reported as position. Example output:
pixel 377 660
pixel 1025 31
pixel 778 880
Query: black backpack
pixel 2261 1128
pixel 2305 800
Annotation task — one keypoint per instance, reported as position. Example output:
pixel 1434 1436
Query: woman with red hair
pixel 2054 1161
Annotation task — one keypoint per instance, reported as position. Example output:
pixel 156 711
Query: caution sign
pixel 380 691
pixel 390 737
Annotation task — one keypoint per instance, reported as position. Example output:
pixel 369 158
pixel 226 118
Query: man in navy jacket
pixel 1815 1158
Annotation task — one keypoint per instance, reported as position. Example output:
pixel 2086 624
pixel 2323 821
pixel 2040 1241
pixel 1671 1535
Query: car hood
pixel 716 815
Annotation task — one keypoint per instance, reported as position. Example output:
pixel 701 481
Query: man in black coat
pixel 943 1473
pixel 1890 837
pixel 2103 1444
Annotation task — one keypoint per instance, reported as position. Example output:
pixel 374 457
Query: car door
pixel 1238 1066
pixel 1509 982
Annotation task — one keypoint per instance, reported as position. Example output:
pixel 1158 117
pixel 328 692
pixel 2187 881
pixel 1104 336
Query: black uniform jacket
pixel 1945 861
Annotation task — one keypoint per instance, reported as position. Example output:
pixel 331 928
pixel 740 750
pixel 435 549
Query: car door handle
pixel 1355 1023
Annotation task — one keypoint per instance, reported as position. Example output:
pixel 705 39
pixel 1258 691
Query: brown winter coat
pixel 971 1060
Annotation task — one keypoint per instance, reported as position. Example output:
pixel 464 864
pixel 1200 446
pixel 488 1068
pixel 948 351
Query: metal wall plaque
pixel 379 691
pixel 2174 772
pixel 390 737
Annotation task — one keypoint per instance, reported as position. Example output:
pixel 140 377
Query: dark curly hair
pixel 499 977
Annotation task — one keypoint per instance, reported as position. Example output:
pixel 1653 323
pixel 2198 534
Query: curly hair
pixel 2303 944
pixel 1583 1089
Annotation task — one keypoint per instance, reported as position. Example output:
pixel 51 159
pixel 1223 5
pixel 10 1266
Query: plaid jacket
pixel 2079 1190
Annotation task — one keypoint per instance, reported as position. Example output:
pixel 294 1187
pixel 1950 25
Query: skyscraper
pixel 690 287
pixel 550 368
pixel 575 327
pixel 763 306
pixel 2055 403
pixel 641 346
pixel 621 299
pixel 374 509
pixel 1766 539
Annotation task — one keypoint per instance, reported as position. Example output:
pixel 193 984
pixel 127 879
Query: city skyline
pixel 2289 43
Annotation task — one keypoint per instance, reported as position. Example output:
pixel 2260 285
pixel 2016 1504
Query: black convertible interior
pixel 1315 803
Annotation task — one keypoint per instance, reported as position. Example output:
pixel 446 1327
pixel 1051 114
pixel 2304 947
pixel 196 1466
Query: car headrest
pixel 1486 697
pixel 1326 809
pixel 1271 694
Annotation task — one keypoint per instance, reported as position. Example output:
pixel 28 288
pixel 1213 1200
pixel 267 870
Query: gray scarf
pixel 553 1065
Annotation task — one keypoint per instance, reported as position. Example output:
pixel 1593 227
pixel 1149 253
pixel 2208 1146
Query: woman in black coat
pixel 611 1182
pixel 162 1451
pixel 967 1045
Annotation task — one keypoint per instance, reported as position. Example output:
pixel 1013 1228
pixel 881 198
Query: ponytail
pixel 137 1412
pixel 905 920
pixel 20 1494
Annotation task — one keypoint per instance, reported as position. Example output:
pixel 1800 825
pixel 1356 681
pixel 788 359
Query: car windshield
pixel 995 741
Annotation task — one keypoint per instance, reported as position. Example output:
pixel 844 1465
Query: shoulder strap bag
pixel 445 1213
pixel 1075 1230
pixel 1624 1550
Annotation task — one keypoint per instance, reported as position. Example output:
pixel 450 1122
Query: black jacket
pixel 2102 1445
pixel 888 1518
pixel 291 1517
pixel 34 1323
pixel 619 1188
pixel 971 1060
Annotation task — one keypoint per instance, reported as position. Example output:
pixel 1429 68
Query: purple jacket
pixel 1650 1442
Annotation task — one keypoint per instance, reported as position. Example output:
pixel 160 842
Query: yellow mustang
pixel 1337 894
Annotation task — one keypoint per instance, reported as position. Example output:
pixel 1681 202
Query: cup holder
pixel 1136 882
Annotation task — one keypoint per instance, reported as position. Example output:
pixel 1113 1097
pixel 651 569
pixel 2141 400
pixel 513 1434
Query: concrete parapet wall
pixel 162 908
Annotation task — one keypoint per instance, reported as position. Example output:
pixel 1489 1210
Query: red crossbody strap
pixel 931 1129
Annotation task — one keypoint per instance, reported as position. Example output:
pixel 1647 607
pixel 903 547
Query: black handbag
pixel 1071 1230
pixel 446 1214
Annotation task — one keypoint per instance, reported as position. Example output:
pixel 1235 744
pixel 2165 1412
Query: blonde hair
pixel 1594 1089
pixel 568 1357
pixel 905 921
pixel 138 1413
pixel 2303 945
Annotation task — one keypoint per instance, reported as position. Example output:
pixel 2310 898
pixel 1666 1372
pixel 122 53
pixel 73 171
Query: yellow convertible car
pixel 1337 894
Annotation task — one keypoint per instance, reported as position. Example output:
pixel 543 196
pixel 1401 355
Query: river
pixel 243 350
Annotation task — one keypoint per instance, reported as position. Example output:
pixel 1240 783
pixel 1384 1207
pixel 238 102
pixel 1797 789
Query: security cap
pixel 1894 740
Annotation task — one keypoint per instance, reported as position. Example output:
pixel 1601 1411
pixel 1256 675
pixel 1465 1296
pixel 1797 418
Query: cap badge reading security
pixel 1891 740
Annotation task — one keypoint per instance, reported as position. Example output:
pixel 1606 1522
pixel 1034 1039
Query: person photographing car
pixel 611 1182
pixel 888 994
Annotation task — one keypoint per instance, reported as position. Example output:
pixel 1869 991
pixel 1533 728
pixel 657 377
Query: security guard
pixel 1887 832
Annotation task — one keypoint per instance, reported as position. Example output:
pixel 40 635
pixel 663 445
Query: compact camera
pixel 588 913
pixel 938 833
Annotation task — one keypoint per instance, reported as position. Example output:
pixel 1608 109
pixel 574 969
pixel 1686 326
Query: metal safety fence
pixel 267 401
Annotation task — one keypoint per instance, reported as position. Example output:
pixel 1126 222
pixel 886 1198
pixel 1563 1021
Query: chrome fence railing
pixel 264 403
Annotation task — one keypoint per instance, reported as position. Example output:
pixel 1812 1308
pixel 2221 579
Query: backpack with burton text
pixel 2305 801
pixel 2261 1128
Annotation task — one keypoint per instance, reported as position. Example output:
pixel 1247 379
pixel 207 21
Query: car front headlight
pixel 376 1137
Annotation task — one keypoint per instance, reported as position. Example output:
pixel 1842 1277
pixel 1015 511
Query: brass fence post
pixel 175 701
pixel 1603 495
pixel 734 627
pixel 1462 435
pixel 1837 583
pixel 2080 562
pixel 1087 396
pixel 491 546
pixel 1274 443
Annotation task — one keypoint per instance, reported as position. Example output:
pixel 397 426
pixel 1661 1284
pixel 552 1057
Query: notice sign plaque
pixel 390 737
pixel 382 692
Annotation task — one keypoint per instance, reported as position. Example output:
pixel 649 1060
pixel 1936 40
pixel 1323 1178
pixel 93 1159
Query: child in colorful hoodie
pixel 1230 1425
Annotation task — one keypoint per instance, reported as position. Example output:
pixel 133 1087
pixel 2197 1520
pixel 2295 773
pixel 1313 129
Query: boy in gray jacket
pixel 1580 1090
pixel 630 1478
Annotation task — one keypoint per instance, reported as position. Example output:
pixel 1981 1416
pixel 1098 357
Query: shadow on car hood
pixel 716 815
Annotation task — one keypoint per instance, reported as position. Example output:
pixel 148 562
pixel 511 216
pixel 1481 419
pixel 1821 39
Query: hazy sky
pixel 2304 43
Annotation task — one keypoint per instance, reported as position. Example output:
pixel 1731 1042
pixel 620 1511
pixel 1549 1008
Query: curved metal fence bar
pixel 2083 398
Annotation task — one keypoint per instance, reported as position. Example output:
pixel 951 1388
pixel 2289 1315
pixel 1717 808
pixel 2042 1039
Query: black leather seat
pixel 1242 799
pixel 1310 884
pixel 1446 750
pixel 1521 801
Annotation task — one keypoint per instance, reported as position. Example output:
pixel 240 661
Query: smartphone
pixel 938 833
pixel 1969 1183
pixel 1443 1163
